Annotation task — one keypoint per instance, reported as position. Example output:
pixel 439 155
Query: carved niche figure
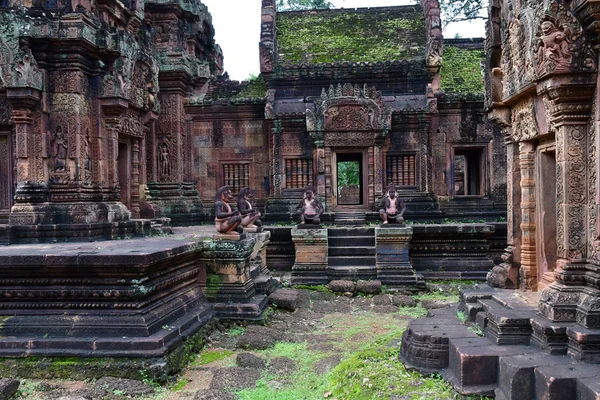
pixel 227 221
pixel 309 210
pixel 553 47
pixel 250 216
pixel 434 57
pixel 164 164
pixel 394 207
pixel 59 150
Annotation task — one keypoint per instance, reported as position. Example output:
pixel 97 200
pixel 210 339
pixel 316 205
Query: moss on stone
pixel 461 71
pixel 254 87
pixel 350 35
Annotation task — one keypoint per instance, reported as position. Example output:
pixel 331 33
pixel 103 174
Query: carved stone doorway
pixel 546 214
pixel 124 163
pixel 348 178
pixel 6 175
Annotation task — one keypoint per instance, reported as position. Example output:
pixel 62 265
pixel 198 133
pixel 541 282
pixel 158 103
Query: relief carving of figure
pixel 164 164
pixel 553 46
pixel 59 150
pixel 250 216
pixel 309 210
pixel 227 221
pixel 394 207
pixel 434 57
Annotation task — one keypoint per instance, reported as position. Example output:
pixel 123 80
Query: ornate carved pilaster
pixel 135 178
pixel 277 170
pixel 528 204
pixel 566 299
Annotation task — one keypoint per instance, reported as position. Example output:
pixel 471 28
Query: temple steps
pixel 521 355
pixel 350 218
pixel 351 253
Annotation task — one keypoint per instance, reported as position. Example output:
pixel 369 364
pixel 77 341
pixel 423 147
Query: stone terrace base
pixel 137 299
pixel 521 356
pixel 310 267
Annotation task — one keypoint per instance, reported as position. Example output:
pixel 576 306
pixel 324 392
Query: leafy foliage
pixel 348 172
pixel 294 5
pixel 255 87
pixel 462 10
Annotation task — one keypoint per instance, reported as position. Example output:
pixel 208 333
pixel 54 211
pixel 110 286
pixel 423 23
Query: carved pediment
pixel 349 108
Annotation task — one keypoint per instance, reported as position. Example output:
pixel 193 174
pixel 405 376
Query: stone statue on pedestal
pixel 250 216
pixel 394 207
pixel 227 221
pixel 309 210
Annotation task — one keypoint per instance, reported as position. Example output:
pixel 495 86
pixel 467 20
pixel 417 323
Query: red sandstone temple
pixel 116 113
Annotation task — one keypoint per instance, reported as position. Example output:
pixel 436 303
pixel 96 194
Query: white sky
pixel 237 26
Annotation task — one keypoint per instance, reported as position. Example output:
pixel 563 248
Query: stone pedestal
pixel 310 267
pixel 229 283
pixel 260 273
pixel 178 201
pixel 392 261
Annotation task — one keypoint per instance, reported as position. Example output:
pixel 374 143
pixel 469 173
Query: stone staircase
pixel 350 218
pixel 161 226
pixel 521 356
pixel 351 253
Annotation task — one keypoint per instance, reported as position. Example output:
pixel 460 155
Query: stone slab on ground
pixel 369 287
pixel 128 387
pixel 341 286
pixel 8 387
pixel 286 299
pixel 559 382
pixel 234 378
pixel 249 360
pixel 516 377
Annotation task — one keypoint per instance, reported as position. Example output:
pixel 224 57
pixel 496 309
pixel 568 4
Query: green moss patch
pixel 351 35
pixel 211 356
pixel 461 71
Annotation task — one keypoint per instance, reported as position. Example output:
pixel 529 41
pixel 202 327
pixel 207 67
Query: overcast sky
pixel 237 26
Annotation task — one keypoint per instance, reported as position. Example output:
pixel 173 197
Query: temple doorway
pixel 6 175
pixel 123 163
pixel 349 179
pixel 546 215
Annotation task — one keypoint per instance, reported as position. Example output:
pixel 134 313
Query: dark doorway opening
pixel 123 163
pixel 546 199
pixel 468 173
pixel 349 179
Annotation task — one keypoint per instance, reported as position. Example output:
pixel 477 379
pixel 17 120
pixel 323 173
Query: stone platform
pixel 521 355
pixel 135 299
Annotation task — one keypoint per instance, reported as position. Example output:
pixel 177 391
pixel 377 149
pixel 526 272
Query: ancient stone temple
pixel 363 88
pixel 115 114
pixel 92 122
pixel 542 91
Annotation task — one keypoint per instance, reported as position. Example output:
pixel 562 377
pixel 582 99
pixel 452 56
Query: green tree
pixel 348 173
pixel 462 10
pixel 294 5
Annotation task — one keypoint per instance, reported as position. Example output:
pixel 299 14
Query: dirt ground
pixel 331 347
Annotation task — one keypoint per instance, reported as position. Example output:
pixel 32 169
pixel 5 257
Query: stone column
pixel 229 284
pixel 528 220
pixel 574 296
pixel 310 267
pixel 392 261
